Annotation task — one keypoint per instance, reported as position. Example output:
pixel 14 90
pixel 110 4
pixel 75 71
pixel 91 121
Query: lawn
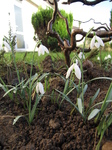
pixel 28 56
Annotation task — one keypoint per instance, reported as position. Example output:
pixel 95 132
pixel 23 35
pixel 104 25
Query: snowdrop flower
pixel 75 67
pixel 96 41
pixel 76 61
pixel 39 88
pixel 42 49
pixel 98 58
pixel 107 57
pixel 81 55
pixel 110 42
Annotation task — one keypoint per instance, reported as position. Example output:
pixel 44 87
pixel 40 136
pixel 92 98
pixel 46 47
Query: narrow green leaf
pixel 9 91
pixel 65 90
pixel 75 87
pixel 109 122
pixel 100 126
pixel 94 97
pixel 99 78
pixel 66 86
pixel 38 98
pixel 84 91
pixel 105 104
pixel 3 87
pixel 57 74
pixel 100 103
pixel 103 126
pixel 43 76
pixel 80 104
pixel 67 99
pixel 16 119
pixel 93 113
pixel 30 79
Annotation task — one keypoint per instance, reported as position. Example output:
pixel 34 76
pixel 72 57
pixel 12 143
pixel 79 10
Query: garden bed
pixel 54 127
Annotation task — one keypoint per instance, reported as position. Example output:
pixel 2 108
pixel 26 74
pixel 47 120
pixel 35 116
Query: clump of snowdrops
pixel 92 111
pixel 106 62
pixel 28 89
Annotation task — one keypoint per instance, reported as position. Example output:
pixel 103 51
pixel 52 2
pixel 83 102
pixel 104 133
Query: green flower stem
pixel 100 58
pixel 14 61
pixel 30 87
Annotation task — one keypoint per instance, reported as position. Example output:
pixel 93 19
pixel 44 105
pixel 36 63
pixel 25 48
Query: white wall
pixel 4 8
pixel 7 6
pixel 28 9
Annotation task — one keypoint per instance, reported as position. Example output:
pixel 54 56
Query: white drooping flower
pixel 107 57
pixel 40 88
pixel 98 58
pixel 81 55
pixel 96 42
pixel 77 70
pixel 42 49
pixel 77 61
pixel 110 42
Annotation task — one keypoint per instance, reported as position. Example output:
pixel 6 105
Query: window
pixel 19 27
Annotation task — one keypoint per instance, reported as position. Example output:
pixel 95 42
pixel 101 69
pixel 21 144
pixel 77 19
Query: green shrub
pixel 107 45
pixel 111 45
pixel 40 20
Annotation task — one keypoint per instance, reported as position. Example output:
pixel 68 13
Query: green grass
pixel 29 56
pixel 103 54
pixel 54 55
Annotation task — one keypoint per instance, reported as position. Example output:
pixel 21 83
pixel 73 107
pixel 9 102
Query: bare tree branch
pixel 49 26
pixel 86 2
pixel 103 24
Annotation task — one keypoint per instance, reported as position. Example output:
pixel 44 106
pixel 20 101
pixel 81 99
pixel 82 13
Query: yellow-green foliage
pixel 41 17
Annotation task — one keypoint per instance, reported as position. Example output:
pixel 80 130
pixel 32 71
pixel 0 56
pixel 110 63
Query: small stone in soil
pixel 107 146
pixel 53 124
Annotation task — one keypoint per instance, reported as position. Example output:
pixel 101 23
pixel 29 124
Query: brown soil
pixel 54 127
